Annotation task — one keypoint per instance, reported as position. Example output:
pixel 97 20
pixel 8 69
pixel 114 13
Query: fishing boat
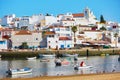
pixel 70 55
pixel 59 62
pixel 65 63
pixel 82 58
pixel 31 58
pixel 83 67
pixel 19 71
pixel 44 60
pixel 47 55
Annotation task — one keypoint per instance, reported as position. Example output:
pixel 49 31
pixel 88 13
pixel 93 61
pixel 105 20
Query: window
pixel 36 38
pixel 49 47
pixel 56 41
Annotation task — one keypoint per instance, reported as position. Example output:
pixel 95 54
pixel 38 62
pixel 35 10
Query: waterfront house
pixel 5 41
pixel 32 38
pixel 57 37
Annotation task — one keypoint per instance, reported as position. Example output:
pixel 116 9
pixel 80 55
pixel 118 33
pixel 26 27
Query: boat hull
pixel 84 67
pixel 31 58
pixel 19 71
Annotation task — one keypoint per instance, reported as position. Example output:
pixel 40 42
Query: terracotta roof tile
pixel 49 33
pixel 23 32
pixel 64 38
pixel 78 15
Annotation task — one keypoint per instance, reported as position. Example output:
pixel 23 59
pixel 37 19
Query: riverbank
pixel 81 52
pixel 100 76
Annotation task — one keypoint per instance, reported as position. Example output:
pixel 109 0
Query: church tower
pixel 87 12
pixel 89 15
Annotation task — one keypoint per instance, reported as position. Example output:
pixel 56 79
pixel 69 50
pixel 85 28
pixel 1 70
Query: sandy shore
pixel 107 76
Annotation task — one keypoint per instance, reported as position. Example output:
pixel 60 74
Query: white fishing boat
pixel 70 55
pixel 31 58
pixel 82 67
pixel 81 58
pixel 20 75
pixel 47 55
pixel 19 71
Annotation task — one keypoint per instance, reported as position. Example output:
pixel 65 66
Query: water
pixel 99 63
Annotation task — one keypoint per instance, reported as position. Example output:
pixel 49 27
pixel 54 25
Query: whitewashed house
pixel 57 37
pixel 32 38
pixel 7 19
pixel 5 42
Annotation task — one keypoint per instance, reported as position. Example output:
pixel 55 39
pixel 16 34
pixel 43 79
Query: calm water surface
pixel 99 63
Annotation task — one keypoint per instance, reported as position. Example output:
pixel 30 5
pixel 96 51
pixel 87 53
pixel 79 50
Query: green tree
pixel 24 45
pixel 43 34
pixel 103 28
pixel 74 30
pixel 116 39
pixel 102 19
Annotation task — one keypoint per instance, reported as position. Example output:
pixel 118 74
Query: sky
pixel 108 8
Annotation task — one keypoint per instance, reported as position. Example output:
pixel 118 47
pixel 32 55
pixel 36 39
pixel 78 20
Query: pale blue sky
pixel 108 8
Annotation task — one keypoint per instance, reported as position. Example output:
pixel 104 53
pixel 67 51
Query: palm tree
pixel 116 37
pixel 74 29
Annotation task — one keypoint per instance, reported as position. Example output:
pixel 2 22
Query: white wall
pixel 49 20
pixel 93 34
pixel 6 20
pixel 65 43
pixel 35 19
pixel 52 42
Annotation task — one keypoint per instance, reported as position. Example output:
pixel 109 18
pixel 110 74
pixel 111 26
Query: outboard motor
pixel 75 59
pixel 75 68
pixel 58 64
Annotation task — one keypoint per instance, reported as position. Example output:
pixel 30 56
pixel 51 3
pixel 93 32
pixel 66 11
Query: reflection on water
pixel 100 64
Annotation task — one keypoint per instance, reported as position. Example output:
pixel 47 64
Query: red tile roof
pixel 64 38
pixel 23 32
pixel 49 33
pixel 78 15
pixel 80 36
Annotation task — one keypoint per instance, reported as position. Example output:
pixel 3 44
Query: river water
pixel 100 64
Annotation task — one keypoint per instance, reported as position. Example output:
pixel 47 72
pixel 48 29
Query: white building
pixel 57 37
pixel 85 18
pixel 7 20
pixel 31 38
pixel 24 21
pixel 50 20
pixel 93 35
pixel 35 19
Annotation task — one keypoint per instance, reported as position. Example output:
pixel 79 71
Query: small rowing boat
pixel 19 71
pixel 44 60
pixel 31 58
